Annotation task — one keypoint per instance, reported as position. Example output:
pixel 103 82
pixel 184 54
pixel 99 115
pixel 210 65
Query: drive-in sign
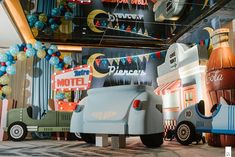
pixel 78 78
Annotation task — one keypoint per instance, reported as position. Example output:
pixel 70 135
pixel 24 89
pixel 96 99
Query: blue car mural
pixel 192 121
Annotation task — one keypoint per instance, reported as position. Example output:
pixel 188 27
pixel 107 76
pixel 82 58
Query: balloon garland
pixel 21 52
pixel 50 23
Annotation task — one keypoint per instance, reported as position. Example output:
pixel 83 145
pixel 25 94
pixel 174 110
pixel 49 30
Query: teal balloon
pixel 60 96
pixel 54 60
pixel 11 70
pixel 39 25
pixel 55 12
pixel 29 46
pixel 71 5
pixel 32 19
pixel 3 57
pixel 68 60
pixel 50 51
pixel 14 50
pixel 3 68
pixel 8 63
pixel 54 27
pixel 54 48
pixel 30 52
pixel 38 45
pixel 68 16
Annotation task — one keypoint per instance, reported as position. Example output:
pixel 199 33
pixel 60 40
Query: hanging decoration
pixel 50 23
pixel 20 52
pixel 129 59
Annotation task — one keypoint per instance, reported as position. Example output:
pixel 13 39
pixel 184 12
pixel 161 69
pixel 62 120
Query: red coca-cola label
pixel 220 79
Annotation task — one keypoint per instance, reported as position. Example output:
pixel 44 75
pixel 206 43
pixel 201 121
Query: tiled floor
pixel 44 148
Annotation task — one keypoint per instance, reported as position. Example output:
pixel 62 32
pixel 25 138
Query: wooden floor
pixel 44 148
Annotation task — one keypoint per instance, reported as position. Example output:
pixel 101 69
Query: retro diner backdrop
pixel 147 24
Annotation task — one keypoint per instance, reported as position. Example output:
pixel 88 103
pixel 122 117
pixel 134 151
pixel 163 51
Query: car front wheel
pixel 152 140
pixel 17 131
pixel 185 133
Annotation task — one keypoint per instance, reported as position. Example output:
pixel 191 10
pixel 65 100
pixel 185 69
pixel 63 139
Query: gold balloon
pixel 34 31
pixel 41 53
pixel 21 56
pixel 6 90
pixel 0 92
pixel 42 17
pixel 4 79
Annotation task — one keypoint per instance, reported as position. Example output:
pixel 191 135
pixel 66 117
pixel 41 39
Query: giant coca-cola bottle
pixel 220 79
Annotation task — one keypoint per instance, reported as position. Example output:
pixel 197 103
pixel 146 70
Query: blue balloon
pixel 11 70
pixel 10 57
pixel 13 62
pixel 30 52
pixel 39 25
pixel 58 53
pixel 57 66
pixel 55 12
pixel 68 16
pixel 38 45
pixel 14 50
pixel 60 96
pixel 32 19
pixel 50 51
pixel 29 46
pixel 31 24
pixel 2 73
pixel 54 60
pixel 61 65
pixel 54 27
pixel 68 60
pixel 48 57
pixel 3 68
pixel 54 48
pixel 3 57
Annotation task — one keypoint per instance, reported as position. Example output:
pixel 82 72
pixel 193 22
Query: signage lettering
pixel 81 72
pixel 133 2
pixel 78 78
pixel 70 82
pixel 115 16
pixel 116 71
pixel 215 76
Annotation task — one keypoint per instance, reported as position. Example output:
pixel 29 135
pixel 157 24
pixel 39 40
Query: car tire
pixel 88 138
pixel 152 140
pixel 185 133
pixel 74 136
pixel 17 131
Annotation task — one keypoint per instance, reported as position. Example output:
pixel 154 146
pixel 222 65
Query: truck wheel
pixel 17 131
pixel 185 133
pixel 88 138
pixel 152 140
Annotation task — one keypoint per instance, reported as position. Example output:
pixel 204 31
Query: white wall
pixel 8 33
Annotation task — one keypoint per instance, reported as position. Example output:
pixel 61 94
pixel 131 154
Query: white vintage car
pixel 120 110
pixel 192 120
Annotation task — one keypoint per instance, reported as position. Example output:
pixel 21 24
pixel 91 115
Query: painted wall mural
pixel 112 66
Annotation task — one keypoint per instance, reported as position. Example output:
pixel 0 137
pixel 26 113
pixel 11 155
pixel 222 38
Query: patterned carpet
pixel 49 148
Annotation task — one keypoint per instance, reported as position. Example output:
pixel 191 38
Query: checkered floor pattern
pixel 53 148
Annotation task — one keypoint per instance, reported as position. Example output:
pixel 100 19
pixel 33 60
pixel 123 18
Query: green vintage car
pixel 20 122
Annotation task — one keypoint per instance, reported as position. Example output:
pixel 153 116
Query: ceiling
pixel 8 32
pixel 216 20
pixel 193 30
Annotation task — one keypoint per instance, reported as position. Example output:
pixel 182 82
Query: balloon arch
pixel 20 52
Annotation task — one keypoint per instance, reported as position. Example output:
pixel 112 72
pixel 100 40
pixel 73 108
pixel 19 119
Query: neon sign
pixel 133 2
pixel 78 78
